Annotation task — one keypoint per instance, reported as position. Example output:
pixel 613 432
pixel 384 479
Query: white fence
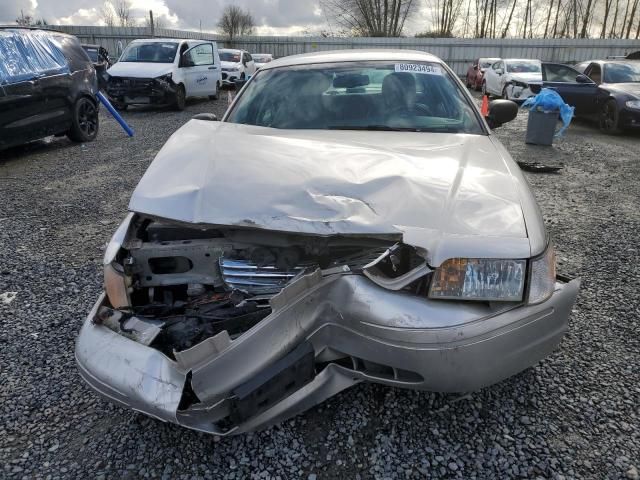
pixel 457 52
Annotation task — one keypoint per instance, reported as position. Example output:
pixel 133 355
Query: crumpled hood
pixel 140 69
pixel 449 194
pixel 526 77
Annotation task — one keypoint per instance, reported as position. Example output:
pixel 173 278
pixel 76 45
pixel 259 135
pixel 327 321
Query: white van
pixel 165 72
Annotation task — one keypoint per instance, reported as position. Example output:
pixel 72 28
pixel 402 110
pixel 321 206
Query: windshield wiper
pixel 387 128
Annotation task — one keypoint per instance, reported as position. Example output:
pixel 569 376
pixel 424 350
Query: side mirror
pixel 500 112
pixel 583 79
pixel 475 67
pixel 499 71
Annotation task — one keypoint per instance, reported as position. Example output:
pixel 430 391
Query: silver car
pixel 352 218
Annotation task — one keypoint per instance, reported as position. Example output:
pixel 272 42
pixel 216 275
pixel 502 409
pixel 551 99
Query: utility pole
pixel 151 23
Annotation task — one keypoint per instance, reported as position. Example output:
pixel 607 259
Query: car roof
pixel 520 60
pixel 21 29
pixel 232 50
pixel 162 40
pixel 353 55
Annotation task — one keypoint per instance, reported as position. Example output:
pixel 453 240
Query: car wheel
pixel 215 95
pixel 467 82
pixel 180 100
pixel 242 78
pixel 505 94
pixel 610 117
pixel 484 89
pixel 84 121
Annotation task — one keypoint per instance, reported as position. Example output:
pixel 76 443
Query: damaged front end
pixel 132 90
pixel 226 330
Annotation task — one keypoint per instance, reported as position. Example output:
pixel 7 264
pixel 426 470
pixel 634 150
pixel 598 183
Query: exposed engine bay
pixel 185 285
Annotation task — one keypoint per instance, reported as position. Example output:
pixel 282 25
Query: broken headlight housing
pixel 116 283
pixel 480 279
pixel 542 276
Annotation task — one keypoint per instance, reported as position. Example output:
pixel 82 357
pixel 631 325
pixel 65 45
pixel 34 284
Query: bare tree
pixel 107 14
pixel 445 14
pixel 123 13
pixel 235 22
pixel 372 18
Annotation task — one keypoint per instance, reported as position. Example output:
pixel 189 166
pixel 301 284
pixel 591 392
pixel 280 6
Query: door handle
pixel 213 68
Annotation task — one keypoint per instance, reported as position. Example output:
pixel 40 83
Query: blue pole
pixel 115 114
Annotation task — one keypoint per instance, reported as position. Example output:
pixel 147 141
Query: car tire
pixel 215 95
pixel 483 89
pixel 85 121
pixel 467 82
pixel 242 77
pixel 610 118
pixel 505 95
pixel 180 100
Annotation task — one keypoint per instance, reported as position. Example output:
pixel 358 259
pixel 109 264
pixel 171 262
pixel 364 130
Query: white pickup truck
pixel 164 72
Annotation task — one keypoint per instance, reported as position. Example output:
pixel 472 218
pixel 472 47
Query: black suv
pixel 48 86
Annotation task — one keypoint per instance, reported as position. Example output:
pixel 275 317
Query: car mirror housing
pixel 499 71
pixel 583 79
pixel 501 112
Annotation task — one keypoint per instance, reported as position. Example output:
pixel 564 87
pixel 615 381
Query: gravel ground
pixel 575 415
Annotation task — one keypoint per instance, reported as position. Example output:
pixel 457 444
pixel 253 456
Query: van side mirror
pixel 499 71
pixel 583 79
pixel 500 112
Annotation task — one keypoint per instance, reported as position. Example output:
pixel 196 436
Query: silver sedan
pixel 352 218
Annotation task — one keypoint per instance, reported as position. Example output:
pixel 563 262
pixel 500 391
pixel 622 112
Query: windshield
pixel 622 73
pixel 230 56
pixel 486 63
pixel 357 96
pixel 155 52
pixel 524 66
pixel 261 58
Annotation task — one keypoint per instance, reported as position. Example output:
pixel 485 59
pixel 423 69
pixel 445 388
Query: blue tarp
pixel 29 54
pixel 550 101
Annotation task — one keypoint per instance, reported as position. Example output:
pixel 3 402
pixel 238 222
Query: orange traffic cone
pixel 484 109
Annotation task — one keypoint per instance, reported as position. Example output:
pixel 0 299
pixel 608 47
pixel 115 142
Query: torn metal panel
pixel 433 187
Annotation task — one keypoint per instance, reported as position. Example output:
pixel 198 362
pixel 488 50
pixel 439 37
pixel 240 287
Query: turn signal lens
pixel 542 278
pixel 479 279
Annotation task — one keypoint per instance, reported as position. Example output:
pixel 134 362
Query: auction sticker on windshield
pixel 418 68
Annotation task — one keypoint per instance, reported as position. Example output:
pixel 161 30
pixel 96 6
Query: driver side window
pixel 559 73
pixel 200 55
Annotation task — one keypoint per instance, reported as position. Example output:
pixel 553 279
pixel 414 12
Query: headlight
pixel 542 276
pixel 635 104
pixel 164 78
pixel 479 279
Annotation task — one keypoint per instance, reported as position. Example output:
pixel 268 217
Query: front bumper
pixel 392 338
pixel 229 78
pixel 136 91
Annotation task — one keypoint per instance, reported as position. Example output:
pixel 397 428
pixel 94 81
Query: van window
pixel 201 54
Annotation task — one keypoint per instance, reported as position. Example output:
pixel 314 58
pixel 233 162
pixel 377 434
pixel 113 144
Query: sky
pixel 272 17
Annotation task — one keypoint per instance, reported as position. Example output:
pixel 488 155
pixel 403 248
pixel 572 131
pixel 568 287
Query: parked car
pixel 261 58
pixel 283 254
pixel 48 87
pixel 607 91
pixel 475 73
pixel 509 78
pixel 236 65
pixel 165 72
